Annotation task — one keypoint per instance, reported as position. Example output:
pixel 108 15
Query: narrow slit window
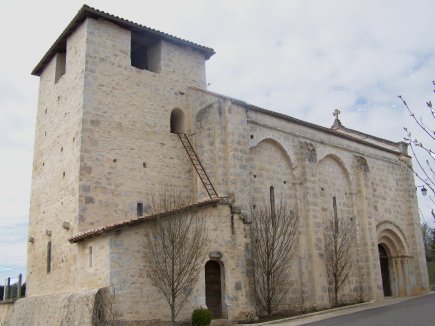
pixel 272 201
pixel 49 257
pixel 334 207
pixel 139 209
pixel 90 256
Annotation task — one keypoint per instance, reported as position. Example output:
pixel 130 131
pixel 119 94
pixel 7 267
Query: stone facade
pixel 104 144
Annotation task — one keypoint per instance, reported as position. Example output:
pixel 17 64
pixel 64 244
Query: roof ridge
pixel 87 11
pixel 142 26
pixel 361 133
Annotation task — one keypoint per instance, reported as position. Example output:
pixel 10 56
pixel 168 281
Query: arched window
pixel 177 121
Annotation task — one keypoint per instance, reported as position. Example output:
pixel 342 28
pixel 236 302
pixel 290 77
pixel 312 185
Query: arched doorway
pixel 213 288
pixel 385 271
pixel 394 254
pixel 177 121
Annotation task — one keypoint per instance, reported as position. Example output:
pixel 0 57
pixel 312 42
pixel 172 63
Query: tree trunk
pixel 173 313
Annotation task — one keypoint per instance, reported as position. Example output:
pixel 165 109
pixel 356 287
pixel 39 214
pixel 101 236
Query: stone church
pixel 124 109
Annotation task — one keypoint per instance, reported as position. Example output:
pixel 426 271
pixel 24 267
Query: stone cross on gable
pixel 337 122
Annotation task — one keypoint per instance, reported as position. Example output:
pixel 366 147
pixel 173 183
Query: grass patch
pixel 288 314
pixel 431 272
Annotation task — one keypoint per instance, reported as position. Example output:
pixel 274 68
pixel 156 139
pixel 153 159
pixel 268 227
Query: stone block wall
pixel 222 145
pixel 54 309
pixel 371 185
pixel 128 152
pixel 139 300
pixel 103 145
pixel 4 309
pixel 335 175
pixel 55 179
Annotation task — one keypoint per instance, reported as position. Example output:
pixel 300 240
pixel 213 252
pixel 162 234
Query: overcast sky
pixel 302 58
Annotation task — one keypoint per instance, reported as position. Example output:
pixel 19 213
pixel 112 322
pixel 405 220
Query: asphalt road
pixel 414 312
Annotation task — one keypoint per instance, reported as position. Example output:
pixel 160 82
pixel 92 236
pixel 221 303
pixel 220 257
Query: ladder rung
pixel 198 166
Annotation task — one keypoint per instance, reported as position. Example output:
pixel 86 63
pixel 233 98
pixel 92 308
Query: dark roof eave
pixel 86 11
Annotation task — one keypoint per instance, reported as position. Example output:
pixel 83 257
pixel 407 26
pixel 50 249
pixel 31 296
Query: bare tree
pixel 421 148
pixel 427 234
pixel 176 247
pixel 339 240
pixel 274 237
pixel 432 245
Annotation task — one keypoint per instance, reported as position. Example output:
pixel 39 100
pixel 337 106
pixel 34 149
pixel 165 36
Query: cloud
pixel 302 58
pixel 13 255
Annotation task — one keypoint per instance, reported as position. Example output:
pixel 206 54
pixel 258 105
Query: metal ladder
pixel 198 166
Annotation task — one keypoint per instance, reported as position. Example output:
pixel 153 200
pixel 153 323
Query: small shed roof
pixel 123 224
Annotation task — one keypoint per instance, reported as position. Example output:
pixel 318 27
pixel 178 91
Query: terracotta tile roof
pixel 87 11
pixel 120 225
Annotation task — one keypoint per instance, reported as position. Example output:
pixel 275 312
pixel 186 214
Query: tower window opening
pixel 144 53
pixel 60 65
pixel 139 209
pixel 177 122
pixel 139 56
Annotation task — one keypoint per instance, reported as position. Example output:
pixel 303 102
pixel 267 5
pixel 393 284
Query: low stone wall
pixel 57 309
pixel 4 308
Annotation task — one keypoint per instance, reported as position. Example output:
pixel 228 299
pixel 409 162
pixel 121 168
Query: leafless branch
pixel 274 239
pixel 426 232
pixel 429 182
pixel 422 126
pixel 176 247
pixel 417 143
pixel 419 148
pixel 339 244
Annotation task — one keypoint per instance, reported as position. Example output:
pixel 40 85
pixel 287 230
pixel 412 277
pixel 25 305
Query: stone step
pixel 220 322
